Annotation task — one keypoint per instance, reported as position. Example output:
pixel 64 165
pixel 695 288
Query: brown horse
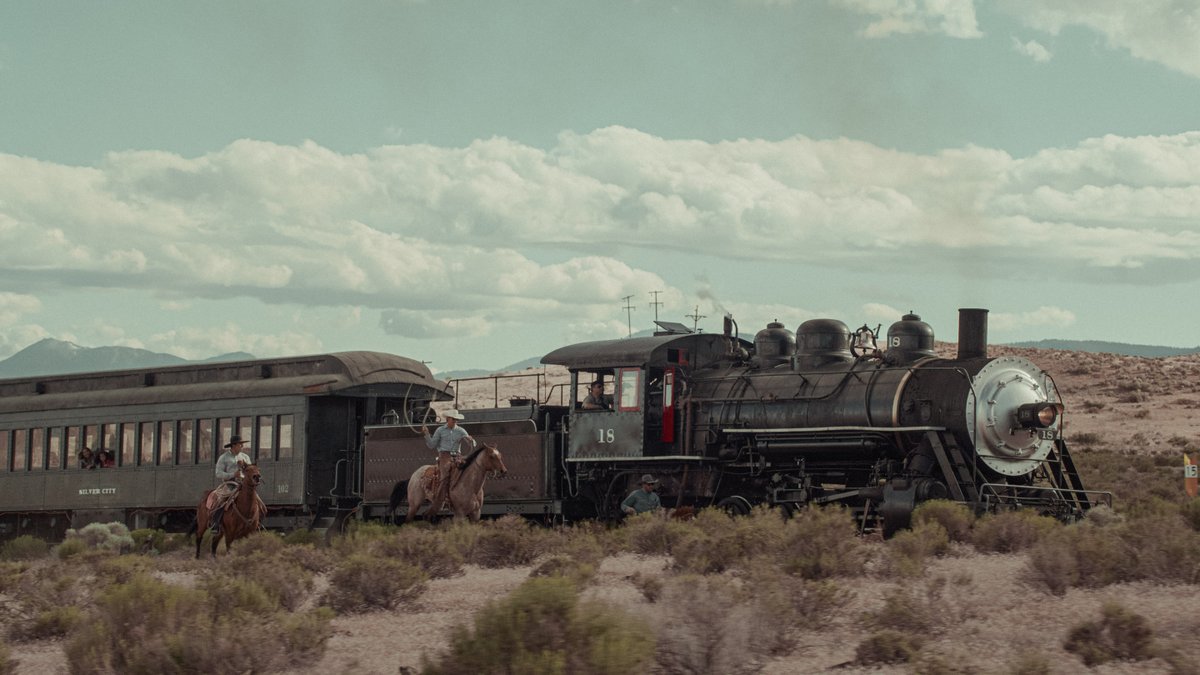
pixel 241 517
pixel 466 488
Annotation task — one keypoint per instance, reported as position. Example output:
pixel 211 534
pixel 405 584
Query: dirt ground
pixel 1131 404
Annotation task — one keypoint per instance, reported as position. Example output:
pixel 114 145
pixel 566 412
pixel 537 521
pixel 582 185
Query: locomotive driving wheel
pixel 735 505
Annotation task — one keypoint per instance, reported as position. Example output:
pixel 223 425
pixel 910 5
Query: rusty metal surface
pixel 392 454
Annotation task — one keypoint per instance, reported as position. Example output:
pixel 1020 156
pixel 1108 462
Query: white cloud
pixel 1161 31
pixel 1033 49
pixel 505 233
pixel 953 18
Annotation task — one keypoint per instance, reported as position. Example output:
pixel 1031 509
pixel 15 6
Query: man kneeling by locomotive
pixel 229 472
pixel 644 498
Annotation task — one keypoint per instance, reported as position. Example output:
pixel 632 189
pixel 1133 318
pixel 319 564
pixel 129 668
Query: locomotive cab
pixel 648 378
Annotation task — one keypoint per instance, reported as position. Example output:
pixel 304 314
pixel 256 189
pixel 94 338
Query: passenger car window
pixel 265 438
pixel 285 436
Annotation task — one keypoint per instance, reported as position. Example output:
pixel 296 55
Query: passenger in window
pixel 596 399
pixel 87 459
pixel 642 499
pixel 105 459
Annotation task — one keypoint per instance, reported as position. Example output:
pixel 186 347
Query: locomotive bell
pixel 773 345
pixel 909 339
pixel 822 341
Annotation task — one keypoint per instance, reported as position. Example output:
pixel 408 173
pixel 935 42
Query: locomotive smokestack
pixel 972 333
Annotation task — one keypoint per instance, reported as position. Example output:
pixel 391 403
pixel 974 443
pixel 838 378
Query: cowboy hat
pixel 453 413
pixel 647 478
pixel 234 440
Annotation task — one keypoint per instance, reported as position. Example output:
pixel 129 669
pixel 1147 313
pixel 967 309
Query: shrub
pixel 359 534
pixel 149 541
pixel 715 541
pixel 578 571
pixel 304 536
pixel 782 603
pixel 706 626
pixel 905 610
pixel 261 543
pixel 955 518
pixel 1119 634
pixel 119 569
pixel 508 541
pixel 24 547
pixel 543 628
pixel 112 536
pixel 887 646
pixel 1010 531
pixel 44 603
pixel 650 586
pixel 52 622
pixel 429 550
pixel 909 549
pixel 1103 515
pixel 1191 513
pixel 820 543
pixel 285 582
pixel 10 574
pixel 651 534
pixel 308 557
pixel 698 553
pixel 1163 547
pixel 146 626
pixel 363 582
pixel 70 548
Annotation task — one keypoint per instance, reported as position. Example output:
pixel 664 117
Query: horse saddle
pixel 431 481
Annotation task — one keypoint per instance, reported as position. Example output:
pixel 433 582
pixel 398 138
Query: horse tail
pixel 399 494
pixel 192 528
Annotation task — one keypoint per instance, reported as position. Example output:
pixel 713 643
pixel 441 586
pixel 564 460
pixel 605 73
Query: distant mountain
pixel 532 362
pixel 1098 346
pixel 56 357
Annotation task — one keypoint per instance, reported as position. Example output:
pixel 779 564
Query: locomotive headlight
pixel 1037 415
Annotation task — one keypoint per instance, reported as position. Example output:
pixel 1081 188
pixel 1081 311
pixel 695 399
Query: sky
pixel 474 183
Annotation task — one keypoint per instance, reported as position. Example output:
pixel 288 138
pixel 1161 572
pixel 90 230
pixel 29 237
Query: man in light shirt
pixel 229 472
pixel 448 440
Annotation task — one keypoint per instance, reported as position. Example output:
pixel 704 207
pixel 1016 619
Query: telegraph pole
pixel 695 316
pixel 655 303
pixel 629 313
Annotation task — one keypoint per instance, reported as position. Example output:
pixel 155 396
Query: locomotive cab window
pixel 629 389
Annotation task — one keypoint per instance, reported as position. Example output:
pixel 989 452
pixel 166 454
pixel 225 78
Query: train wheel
pixel 735 505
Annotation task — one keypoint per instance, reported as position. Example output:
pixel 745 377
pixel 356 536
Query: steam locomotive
pixel 820 416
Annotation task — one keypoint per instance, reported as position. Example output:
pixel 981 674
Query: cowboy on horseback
pixel 229 472
pixel 448 440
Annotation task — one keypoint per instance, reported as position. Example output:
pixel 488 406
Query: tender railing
pixel 495 379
